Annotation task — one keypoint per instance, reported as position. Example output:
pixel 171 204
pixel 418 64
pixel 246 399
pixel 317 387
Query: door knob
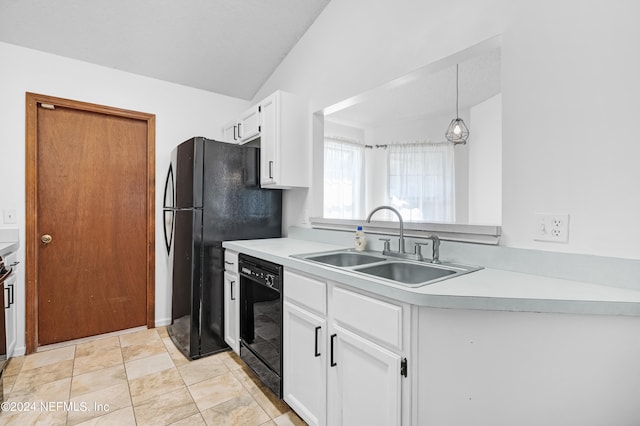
pixel 46 239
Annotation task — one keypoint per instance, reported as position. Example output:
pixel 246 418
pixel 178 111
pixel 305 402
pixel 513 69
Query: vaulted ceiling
pixel 224 46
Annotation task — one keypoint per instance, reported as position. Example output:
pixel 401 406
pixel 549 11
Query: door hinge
pixel 259 108
pixel 403 367
pixel 47 106
pixel 259 129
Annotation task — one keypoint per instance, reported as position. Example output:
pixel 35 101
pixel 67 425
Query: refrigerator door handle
pixel 169 193
pixel 169 204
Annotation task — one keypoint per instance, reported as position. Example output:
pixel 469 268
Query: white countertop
pixel 6 248
pixel 487 289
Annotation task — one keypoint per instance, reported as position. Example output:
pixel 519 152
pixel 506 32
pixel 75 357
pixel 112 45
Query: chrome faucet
pixel 417 254
pixel 401 243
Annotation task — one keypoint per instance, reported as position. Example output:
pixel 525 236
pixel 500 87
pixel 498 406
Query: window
pixel 343 179
pixel 421 181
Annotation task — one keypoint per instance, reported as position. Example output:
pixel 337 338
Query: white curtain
pixel 422 181
pixel 343 179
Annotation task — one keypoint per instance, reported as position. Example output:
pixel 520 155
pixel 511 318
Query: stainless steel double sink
pixel 405 272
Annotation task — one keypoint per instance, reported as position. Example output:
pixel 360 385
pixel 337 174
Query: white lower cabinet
pixel 231 301
pixel 11 319
pixel 305 363
pixel 365 382
pixel 231 311
pixel 335 371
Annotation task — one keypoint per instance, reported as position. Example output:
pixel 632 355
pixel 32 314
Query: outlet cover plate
pixel 551 227
pixel 9 216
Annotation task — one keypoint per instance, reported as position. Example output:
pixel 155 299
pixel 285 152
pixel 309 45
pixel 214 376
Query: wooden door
pixel 90 234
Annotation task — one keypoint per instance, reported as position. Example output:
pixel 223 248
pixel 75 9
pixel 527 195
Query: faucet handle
pixel 418 248
pixel 387 244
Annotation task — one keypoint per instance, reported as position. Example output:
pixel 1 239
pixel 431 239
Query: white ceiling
pixel 224 46
pixel 426 92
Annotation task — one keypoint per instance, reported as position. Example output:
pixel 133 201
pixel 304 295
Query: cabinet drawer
pixel 231 261
pixel 306 291
pixel 379 320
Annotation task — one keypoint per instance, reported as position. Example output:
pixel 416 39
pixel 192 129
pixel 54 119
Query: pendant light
pixel 457 133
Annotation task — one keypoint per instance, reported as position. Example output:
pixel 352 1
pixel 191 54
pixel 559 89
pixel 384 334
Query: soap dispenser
pixel 359 240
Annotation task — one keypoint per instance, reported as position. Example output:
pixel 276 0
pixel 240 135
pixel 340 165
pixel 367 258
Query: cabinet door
pixel 269 145
pixel 305 363
pixel 230 132
pixel 364 382
pixel 249 125
pixel 231 261
pixel 10 311
pixel 10 314
pixel 231 311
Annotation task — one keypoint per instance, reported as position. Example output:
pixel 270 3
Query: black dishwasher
pixel 261 319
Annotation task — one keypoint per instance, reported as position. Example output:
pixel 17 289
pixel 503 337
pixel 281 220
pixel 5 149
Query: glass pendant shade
pixel 457 132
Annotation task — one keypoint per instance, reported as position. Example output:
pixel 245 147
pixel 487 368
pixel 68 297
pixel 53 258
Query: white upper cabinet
pixel 280 126
pixel 249 125
pixel 230 132
pixel 284 142
pixel 243 129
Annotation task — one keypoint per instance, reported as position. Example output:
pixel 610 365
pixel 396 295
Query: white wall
pixel 485 162
pixel 181 113
pixel 569 78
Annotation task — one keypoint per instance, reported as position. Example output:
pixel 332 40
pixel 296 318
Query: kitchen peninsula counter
pixel 486 289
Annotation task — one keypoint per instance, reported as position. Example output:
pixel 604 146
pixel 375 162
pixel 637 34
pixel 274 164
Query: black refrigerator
pixel 212 194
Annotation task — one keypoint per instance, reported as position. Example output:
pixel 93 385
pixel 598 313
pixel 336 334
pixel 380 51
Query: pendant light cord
pixel 457 115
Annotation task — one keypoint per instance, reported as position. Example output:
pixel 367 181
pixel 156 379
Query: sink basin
pixel 345 259
pixel 407 273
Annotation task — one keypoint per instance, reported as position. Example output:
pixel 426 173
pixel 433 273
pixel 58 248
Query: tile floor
pixel 137 378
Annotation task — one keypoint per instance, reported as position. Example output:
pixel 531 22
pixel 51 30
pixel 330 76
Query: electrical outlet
pixel 9 216
pixel 552 227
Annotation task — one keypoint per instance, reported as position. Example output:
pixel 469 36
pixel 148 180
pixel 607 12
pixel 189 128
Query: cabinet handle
pixel 317 354
pixel 9 300
pixel 232 296
pixel 234 133
pixel 226 262
pixel 239 135
pixel 11 295
pixel 333 364
pixel 270 169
